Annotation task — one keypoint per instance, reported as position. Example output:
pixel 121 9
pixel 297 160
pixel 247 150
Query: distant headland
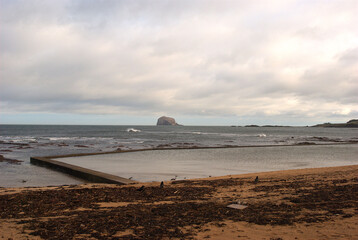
pixel 350 124
pixel 265 126
pixel 167 121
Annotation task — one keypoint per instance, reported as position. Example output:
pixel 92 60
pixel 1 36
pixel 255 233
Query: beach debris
pixel 141 188
pixel 256 179
pixel 23 181
pixel 130 178
pixel 237 206
pixel 174 178
pixel 162 184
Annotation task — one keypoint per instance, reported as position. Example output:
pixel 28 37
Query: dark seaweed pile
pixel 194 204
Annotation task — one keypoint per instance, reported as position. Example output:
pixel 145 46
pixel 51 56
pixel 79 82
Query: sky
pixel 284 62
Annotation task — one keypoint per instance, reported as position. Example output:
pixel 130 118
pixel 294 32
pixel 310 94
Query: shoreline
pixel 282 173
pixel 309 203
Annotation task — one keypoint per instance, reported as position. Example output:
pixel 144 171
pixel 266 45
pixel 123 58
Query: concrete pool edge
pixel 80 172
pixel 101 177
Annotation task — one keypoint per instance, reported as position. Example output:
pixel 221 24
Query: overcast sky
pixel 201 62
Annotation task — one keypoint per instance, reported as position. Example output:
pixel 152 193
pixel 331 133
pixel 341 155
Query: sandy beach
pixel 319 203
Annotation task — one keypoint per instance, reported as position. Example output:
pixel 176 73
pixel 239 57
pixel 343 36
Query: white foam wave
pixel 76 138
pixel 18 139
pixel 199 133
pixel 133 130
pixel 58 138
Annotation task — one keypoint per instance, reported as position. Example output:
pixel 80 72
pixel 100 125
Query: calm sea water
pixel 22 141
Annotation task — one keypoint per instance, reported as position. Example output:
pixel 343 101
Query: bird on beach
pixel 162 184
pixel 24 181
pixel 140 189
pixel 256 179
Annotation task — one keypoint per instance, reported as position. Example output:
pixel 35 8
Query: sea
pixel 258 149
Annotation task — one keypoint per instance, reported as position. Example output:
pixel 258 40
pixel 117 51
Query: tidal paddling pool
pixel 163 165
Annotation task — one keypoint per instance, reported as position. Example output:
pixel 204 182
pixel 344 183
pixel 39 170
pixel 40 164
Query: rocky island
pixel 167 121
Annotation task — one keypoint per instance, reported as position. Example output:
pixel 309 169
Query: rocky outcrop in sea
pixel 166 121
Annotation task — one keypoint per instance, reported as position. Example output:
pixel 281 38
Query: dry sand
pixel 296 204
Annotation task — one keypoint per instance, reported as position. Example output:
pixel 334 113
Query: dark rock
pixel 81 146
pixel 166 121
pixel 305 143
pixel 5 150
pixel 8 160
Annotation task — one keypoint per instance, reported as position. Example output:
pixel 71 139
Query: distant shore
pixel 350 124
pixel 304 204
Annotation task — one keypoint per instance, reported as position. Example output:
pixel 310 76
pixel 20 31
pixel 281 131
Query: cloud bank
pixel 276 59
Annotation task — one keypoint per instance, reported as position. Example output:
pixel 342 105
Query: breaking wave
pixel 133 130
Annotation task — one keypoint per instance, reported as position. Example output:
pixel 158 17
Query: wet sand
pixel 319 203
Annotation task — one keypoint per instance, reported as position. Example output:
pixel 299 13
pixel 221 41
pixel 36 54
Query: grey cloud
pixel 202 58
pixel 349 57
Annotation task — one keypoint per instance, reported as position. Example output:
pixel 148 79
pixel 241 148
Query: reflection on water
pixel 196 163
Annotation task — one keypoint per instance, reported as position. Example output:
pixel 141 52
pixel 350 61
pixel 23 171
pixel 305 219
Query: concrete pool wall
pixel 80 172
